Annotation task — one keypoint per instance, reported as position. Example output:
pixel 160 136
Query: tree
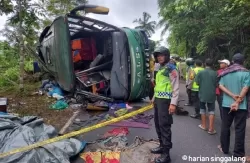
pixel 145 24
pixel 214 28
pixel 163 24
pixel 26 18
pixel 21 44
pixel 22 23
pixel 61 7
pixel 6 7
pixel 55 8
pixel 152 46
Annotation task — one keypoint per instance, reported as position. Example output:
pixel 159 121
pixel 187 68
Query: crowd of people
pixel 204 86
pixel 229 86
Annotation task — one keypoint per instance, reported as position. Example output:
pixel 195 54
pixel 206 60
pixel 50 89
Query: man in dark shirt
pixel 207 81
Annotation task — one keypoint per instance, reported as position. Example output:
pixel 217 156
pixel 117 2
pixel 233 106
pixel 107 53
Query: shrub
pixel 28 66
pixel 9 76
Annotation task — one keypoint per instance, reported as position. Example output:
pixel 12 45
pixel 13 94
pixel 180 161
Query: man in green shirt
pixel 207 81
pixel 234 82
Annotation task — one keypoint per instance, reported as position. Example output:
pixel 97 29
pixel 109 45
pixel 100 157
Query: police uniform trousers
pixel 196 101
pixel 163 121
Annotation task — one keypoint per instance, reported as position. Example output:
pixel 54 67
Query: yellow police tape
pixel 75 133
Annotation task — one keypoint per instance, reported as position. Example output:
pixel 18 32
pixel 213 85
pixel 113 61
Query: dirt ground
pixel 26 104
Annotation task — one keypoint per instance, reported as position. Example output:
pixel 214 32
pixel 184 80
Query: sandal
pixel 219 147
pixel 200 126
pixel 212 132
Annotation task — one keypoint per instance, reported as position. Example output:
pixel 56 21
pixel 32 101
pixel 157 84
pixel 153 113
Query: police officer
pixel 190 66
pixel 166 94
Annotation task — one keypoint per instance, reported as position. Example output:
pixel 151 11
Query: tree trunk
pixel 21 47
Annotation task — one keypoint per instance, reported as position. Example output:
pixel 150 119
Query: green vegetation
pixel 198 28
pixel 209 28
pixel 26 19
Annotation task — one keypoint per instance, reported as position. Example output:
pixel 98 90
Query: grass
pixel 26 104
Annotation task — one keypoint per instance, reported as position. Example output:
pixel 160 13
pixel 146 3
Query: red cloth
pixel 101 157
pixel 116 131
pixel 102 85
pixel 218 89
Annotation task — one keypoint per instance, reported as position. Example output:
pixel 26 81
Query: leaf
pixel 145 24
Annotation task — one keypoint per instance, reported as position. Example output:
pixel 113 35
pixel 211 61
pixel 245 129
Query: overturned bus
pixel 94 59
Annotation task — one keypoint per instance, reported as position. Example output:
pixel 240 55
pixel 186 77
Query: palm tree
pixel 163 23
pixel 145 24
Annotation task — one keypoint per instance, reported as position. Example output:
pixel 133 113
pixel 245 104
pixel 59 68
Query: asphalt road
pixel 188 139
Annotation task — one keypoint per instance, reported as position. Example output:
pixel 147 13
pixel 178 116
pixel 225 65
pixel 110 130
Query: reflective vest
pixel 188 68
pixel 195 87
pixel 163 87
pixel 177 65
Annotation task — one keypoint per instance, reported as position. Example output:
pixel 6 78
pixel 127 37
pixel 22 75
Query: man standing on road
pixel 219 94
pixel 195 88
pixel 166 94
pixel 190 66
pixel 234 82
pixel 207 81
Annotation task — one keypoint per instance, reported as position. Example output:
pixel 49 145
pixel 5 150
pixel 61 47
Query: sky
pixel 122 13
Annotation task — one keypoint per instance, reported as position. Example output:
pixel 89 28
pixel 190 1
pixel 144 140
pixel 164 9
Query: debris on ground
pixel 27 104
pixel 59 105
pixel 139 121
pixel 56 92
pixel 115 106
pixel 116 132
pixel 101 157
pixel 18 132
pixel 69 122
pixel 138 152
pixel 120 112
pixel 52 89
pixel 127 123
pixel 76 106
pixel 143 118
pixel 114 143
pixel 96 108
